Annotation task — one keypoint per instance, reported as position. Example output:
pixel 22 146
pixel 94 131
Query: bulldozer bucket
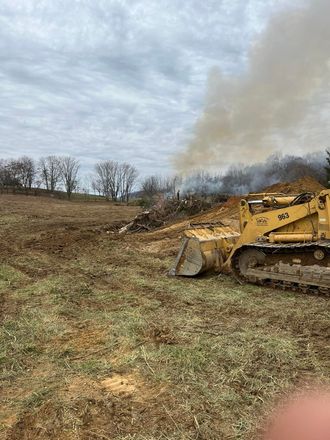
pixel 204 248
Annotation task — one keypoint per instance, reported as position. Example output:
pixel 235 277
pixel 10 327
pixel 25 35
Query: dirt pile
pixel 305 184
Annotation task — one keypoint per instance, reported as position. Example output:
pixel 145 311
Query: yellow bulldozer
pixel 284 242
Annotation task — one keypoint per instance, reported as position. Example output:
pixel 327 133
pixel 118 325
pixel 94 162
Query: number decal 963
pixel 283 216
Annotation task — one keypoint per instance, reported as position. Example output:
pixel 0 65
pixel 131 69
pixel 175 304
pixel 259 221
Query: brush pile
pixel 163 212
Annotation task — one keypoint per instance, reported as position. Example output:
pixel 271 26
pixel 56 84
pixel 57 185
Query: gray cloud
pixel 123 80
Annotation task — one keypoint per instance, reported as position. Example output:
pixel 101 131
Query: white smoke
pixel 239 179
pixel 281 102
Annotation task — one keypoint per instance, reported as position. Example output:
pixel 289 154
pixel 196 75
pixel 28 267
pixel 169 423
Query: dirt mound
pixel 305 184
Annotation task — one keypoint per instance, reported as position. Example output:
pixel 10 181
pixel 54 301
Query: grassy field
pixel 98 343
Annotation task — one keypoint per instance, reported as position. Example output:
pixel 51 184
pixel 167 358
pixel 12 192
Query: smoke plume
pixel 255 177
pixel 280 102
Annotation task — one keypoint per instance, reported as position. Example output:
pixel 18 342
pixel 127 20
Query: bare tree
pixel 28 171
pixel 102 179
pixel 69 167
pixel 171 185
pixel 86 184
pixel 12 169
pixel 50 171
pixel 151 186
pixel 114 180
pixel 19 173
pixel 8 173
pixel 127 175
pixel 96 185
pixel 22 171
pixel 92 183
pixel 107 173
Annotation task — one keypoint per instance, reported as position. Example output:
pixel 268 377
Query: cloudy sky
pixel 122 80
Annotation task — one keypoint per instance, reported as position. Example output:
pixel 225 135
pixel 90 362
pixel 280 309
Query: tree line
pixel 116 181
pixel 110 179
pixel 242 179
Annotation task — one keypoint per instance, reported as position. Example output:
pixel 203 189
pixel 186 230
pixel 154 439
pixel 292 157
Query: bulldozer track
pixel 287 266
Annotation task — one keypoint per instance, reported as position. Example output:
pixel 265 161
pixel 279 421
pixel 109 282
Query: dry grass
pixel 97 342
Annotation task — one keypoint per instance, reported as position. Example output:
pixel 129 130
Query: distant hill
pixel 41 192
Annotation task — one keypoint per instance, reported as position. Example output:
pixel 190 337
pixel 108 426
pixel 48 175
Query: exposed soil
pixel 97 342
pixel 305 184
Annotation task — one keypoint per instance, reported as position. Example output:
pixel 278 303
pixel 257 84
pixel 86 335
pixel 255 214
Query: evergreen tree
pixel 327 168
